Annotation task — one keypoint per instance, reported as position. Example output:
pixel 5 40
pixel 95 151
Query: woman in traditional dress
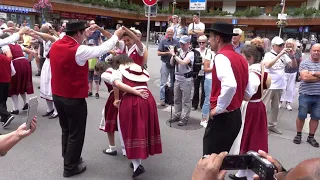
pixel 21 82
pixel 49 37
pixel 138 117
pixel 133 47
pixel 254 131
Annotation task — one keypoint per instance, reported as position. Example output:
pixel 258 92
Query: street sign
pixel 153 10
pixel 149 2
pixel 306 29
pixel 234 21
pixel 197 5
pixel 282 16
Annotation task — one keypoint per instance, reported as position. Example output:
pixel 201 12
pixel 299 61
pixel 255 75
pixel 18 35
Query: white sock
pixel 242 173
pixel 50 106
pixel 136 163
pixel 24 98
pixel 15 102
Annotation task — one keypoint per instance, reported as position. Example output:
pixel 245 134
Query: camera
pixel 252 160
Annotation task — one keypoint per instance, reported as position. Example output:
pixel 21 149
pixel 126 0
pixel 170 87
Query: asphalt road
pixel 38 157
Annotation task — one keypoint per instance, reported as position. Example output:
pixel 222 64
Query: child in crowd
pixel 93 74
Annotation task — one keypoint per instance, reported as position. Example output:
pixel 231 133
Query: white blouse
pixel 111 77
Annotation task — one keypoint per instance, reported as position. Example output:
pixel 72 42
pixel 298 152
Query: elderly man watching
pixel 237 45
pixel 166 67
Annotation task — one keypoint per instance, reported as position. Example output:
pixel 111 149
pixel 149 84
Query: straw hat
pixel 134 72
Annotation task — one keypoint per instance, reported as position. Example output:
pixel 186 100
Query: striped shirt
pixel 309 88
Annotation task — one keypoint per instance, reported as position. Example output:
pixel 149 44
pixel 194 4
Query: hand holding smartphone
pixel 32 110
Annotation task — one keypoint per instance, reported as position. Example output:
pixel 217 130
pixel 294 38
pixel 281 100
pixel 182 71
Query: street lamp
pixel 173 6
pixel 283 4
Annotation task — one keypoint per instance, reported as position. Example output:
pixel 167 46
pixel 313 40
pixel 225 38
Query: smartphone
pixel 236 162
pixel 32 110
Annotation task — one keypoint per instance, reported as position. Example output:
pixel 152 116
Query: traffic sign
pixel 153 10
pixel 149 2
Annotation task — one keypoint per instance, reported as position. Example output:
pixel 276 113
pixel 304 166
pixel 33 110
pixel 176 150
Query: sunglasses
pixel 280 45
pixel 201 42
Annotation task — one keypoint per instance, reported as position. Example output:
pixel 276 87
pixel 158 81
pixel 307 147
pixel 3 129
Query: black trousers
pixel 4 91
pixel 196 91
pixel 73 119
pixel 42 59
pixel 221 132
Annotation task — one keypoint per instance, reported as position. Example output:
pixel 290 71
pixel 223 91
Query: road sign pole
pixel 148 26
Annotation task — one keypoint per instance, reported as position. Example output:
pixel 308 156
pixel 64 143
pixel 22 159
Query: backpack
pixel 197 62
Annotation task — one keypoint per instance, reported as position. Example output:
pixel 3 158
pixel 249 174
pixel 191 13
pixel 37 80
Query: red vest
pixel 69 80
pixel 240 70
pixel 5 69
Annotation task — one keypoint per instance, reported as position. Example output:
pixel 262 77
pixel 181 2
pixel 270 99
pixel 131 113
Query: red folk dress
pixel 21 82
pixel 138 120
pixel 134 53
pixel 110 113
pixel 255 131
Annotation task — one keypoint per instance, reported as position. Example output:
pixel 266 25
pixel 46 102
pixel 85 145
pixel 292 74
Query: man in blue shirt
pixel 237 45
pixel 96 36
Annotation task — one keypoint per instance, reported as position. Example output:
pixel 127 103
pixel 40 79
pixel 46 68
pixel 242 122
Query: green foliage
pixel 303 11
pixel 276 10
pixel 248 12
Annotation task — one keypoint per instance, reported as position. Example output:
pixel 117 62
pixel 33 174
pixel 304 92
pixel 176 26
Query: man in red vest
pixel 229 83
pixel 69 68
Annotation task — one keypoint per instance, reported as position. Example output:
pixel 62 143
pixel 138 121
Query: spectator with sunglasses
pixel 275 62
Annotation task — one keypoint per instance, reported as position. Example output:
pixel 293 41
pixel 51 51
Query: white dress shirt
pixel 84 53
pixel 13 38
pixel 228 83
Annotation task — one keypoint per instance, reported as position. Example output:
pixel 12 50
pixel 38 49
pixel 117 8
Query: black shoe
pixel 113 153
pixel 131 165
pixel 78 170
pixel 297 140
pixel 90 94
pixel 48 113
pixel 313 142
pixel 233 176
pixel 14 112
pixel 25 107
pixel 97 95
pixel 53 116
pixel 182 123
pixel 8 121
pixel 174 119
pixel 140 170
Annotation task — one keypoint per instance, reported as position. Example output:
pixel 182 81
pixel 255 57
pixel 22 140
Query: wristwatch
pixel 313 73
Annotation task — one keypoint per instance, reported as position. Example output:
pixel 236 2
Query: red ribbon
pixel 137 73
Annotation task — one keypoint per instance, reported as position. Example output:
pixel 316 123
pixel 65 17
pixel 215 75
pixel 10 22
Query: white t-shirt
pixel 199 26
pixel 210 57
pixel 203 55
pixel 276 72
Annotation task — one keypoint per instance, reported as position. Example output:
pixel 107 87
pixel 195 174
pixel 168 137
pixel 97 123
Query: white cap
pixel 237 31
pixel 277 41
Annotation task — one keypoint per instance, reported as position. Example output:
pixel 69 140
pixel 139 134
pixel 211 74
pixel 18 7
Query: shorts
pixel 309 103
pixel 93 77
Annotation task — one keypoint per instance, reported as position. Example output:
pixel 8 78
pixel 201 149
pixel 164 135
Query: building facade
pixel 264 25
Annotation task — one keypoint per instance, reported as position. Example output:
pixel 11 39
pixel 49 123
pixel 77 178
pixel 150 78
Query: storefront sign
pixel 15 9
pixel 68 15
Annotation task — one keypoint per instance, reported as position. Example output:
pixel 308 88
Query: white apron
pixel 45 81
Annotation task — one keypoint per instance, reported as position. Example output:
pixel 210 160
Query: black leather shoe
pixel 14 112
pixel 48 113
pixel 140 170
pixel 78 170
pixel 113 153
pixel 25 107
pixel 80 161
pixel 233 176
pixel 53 116
pixel 8 121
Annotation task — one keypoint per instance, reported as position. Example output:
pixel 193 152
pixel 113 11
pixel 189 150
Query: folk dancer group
pixel 137 120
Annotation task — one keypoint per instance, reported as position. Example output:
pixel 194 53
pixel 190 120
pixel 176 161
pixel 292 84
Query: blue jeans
pixel 207 93
pixel 309 102
pixel 164 73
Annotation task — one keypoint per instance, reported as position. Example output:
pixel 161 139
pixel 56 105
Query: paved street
pixel 38 157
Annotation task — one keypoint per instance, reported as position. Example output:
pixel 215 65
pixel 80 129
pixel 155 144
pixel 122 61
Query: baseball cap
pixel 91 42
pixel 184 39
pixel 277 41
pixel 237 31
